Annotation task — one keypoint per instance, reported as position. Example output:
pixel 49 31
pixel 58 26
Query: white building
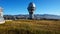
pixel 1 16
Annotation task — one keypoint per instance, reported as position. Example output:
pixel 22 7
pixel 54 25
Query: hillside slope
pixel 30 27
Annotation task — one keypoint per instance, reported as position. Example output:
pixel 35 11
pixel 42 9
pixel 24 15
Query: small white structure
pixel 1 16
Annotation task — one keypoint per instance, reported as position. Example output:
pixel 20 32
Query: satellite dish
pixel 31 7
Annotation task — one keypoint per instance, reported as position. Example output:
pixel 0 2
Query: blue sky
pixel 15 7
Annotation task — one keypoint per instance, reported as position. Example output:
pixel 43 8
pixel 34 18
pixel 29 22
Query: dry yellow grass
pixel 30 27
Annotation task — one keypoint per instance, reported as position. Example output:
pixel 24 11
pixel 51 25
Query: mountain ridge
pixel 36 16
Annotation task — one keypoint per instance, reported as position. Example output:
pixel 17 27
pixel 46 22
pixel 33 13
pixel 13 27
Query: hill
pixel 37 16
pixel 30 27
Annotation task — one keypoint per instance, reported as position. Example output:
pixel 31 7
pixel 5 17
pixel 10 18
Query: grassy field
pixel 30 27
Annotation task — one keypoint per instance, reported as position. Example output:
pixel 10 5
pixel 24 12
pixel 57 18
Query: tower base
pixel 2 20
pixel 31 18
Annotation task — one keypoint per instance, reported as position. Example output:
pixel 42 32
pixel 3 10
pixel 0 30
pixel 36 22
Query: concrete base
pixel 2 22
